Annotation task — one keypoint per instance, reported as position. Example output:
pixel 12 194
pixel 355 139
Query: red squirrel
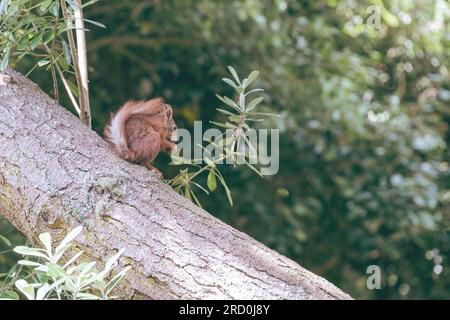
pixel 140 130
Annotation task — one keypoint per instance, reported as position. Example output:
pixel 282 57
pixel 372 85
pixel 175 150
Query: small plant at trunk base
pixel 51 279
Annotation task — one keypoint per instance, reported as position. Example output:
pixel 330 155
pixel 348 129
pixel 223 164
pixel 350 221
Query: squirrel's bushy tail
pixel 115 131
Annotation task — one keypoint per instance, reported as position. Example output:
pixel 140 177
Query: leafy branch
pixel 44 30
pixel 232 143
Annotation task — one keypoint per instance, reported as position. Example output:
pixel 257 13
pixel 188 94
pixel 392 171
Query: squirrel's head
pixel 169 124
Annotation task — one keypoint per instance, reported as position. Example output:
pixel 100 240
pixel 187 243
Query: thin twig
pixel 55 82
pixel 65 83
pixel 63 79
pixel 52 62
pixel 67 87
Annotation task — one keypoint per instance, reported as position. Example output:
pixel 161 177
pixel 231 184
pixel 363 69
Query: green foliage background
pixel 364 169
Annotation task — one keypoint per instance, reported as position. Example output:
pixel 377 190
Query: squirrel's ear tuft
pixel 168 110
pixel 157 101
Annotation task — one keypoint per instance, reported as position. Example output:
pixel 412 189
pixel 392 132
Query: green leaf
pixel 88 3
pixel 73 259
pixel 41 276
pixel 3 6
pixel 112 261
pixel 45 4
pixel 58 254
pixel 43 62
pixel 55 9
pixel 42 291
pixel 5 61
pixel 56 271
pixel 98 24
pixel 229 82
pixel 86 267
pixel 27 251
pixel 26 288
pixel 69 237
pixel 224 125
pixel 264 114
pixel 47 36
pixel 28 263
pixel 73 88
pixel 252 77
pixel 234 73
pixel 177 160
pixel 227 190
pixel 254 120
pixel 254 103
pixel 57 283
pixel 42 268
pixel 117 278
pixel 229 102
pixel 37 40
pixel 64 65
pixel 225 112
pixel 46 240
pixel 240 89
pixel 254 91
pixel 9 295
pixel 66 51
pixel 234 118
pixel 242 101
pixel 5 240
pixel 212 183
pixel 99 285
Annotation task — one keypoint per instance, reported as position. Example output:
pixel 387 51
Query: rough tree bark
pixel 55 174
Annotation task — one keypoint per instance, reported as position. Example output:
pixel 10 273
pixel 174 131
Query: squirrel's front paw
pixel 159 173
pixel 152 168
pixel 174 149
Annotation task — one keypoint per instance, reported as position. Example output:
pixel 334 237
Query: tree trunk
pixel 56 174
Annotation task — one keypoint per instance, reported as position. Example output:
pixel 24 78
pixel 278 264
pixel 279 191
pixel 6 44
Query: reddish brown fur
pixel 140 130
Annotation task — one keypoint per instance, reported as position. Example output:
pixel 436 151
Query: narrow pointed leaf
pixel 98 24
pixel 254 103
pixel 5 240
pixel 70 236
pixel 46 240
pixel 25 288
pixel 117 278
pixel 229 82
pixel 5 62
pixel 252 77
pixel 234 73
pixel 27 251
